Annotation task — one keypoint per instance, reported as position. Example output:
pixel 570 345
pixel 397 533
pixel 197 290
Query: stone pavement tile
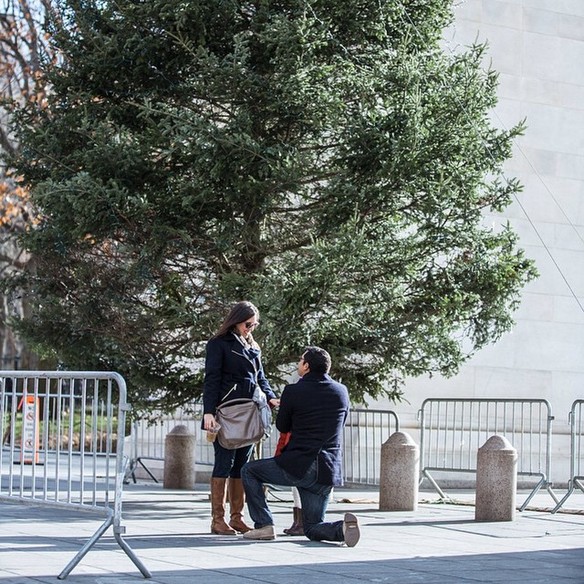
pixel 570 563
pixel 169 532
pixel 241 555
pixel 471 569
pixel 572 557
pixel 205 577
pixel 14 577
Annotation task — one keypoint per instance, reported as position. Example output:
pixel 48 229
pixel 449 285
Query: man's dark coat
pixel 314 410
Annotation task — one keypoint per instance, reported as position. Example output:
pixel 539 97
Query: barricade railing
pixel 365 432
pixel 576 421
pixel 63 445
pixel 149 433
pixel 452 431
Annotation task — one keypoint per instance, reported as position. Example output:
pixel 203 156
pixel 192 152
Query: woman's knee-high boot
pixel 218 494
pixel 236 496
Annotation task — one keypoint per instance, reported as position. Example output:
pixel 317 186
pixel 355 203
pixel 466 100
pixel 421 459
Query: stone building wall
pixel 537 46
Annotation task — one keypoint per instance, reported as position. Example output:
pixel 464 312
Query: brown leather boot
pixel 236 496
pixel 218 493
pixel 297 527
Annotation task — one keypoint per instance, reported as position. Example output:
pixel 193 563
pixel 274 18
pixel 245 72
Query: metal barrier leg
pixel 426 474
pixel 564 498
pixel 539 485
pixel 572 487
pixel 130 553
pixel 90 543
pixel 130 471
pixel 549 489
pixel 139 462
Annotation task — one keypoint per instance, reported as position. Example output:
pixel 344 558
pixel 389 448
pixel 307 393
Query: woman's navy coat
pixel 231 372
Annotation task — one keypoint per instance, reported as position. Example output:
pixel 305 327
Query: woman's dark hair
pixel 239 312
pixel 318 360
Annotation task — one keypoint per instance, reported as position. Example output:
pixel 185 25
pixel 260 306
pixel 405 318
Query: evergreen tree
pixel 325 159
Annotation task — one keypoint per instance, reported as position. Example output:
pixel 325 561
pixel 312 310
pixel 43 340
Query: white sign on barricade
pixel 29 453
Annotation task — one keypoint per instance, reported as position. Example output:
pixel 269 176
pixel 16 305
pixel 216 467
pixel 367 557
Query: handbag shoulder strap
pixel 256 369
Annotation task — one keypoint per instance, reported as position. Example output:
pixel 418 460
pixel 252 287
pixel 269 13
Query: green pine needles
pixel 327 160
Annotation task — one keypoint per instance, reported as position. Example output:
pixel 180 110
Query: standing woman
pixel 233 367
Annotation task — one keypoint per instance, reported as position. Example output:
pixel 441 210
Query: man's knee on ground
pixel 309 532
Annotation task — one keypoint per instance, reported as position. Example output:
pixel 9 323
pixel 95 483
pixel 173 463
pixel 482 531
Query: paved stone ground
pixel 169 533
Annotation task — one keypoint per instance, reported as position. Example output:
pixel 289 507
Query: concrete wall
pixel 537 46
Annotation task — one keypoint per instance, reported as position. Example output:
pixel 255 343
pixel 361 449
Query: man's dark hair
pixel 318 360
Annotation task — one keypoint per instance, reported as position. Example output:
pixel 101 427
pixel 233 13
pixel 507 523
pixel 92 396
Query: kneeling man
pixel 314 411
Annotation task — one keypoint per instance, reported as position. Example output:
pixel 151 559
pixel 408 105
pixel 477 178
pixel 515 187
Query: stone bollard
pixel 496 480
pixel 398 485
pixel 179 459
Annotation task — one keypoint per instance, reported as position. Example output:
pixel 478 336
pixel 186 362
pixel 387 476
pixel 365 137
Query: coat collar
pixel 316 377
pixel 238 348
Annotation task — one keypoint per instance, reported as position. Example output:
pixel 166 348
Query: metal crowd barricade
pixel 63 445
pixel 576 421
pixel 149 434
pixel 452 431
pixel 148 437
pixel 365 432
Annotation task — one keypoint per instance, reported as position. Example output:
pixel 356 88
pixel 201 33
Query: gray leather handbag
pixel 243 421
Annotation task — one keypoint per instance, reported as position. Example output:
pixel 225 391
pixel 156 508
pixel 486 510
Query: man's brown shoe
pixel 351 531
pixel 263 533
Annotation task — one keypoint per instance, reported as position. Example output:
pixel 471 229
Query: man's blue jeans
pixel 313 495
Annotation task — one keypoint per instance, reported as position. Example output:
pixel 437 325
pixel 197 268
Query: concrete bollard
pixel 398 485
pixel 496 480
pixel 179 459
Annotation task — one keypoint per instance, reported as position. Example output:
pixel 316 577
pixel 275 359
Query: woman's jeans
pixel 228 463
pixel 314 497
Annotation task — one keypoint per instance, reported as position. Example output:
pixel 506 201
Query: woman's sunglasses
pixel 250 325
